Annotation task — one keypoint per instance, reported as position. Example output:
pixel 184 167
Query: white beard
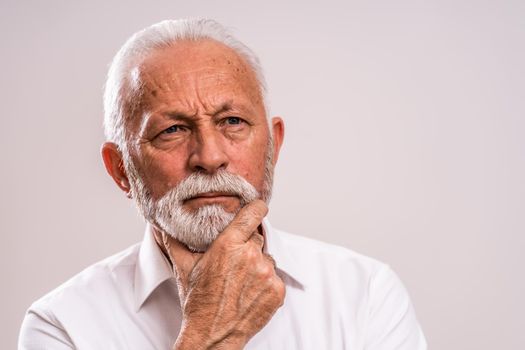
pixel 198 229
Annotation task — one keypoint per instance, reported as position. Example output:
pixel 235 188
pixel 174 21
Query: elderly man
pixel 190 141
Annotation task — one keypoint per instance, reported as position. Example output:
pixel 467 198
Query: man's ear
pixel 115 166
pixel 278 137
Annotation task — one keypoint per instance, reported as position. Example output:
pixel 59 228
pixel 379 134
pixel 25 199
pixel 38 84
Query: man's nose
pixel 208 153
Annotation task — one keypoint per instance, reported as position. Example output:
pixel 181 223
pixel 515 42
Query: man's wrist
pixel 189 341
pixel 183 343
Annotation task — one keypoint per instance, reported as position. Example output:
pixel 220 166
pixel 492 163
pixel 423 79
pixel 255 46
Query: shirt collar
pixel 275 246
pixel 153 268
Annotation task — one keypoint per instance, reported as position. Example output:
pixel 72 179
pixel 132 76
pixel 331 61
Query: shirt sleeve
pixel 40 331
pixel 392 322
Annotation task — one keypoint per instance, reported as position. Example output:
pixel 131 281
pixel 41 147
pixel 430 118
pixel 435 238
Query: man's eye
pixel 233 120
pixel 172 129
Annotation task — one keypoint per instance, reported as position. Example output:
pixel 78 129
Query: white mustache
pixel 222 181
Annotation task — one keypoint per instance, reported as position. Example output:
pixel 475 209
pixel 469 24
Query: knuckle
pixel 266 271
pixel 250 255
pixel 279 289
pixel 257 239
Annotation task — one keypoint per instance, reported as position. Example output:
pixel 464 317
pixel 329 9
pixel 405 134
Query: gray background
pixel 404 141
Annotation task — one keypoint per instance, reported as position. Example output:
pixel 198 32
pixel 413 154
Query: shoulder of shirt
pixel 309 254
pixel 95 274
pixel 314 246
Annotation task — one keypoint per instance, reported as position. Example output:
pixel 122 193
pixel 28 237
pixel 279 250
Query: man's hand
pixel 230 292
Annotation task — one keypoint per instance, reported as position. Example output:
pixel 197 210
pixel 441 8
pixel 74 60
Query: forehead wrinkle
pixel 205 97
pixel 196 83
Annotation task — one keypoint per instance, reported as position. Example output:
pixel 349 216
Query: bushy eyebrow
pixel 176 114
pixel 224 107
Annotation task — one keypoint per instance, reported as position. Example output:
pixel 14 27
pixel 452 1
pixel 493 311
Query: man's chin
pixel 199 228
pixel 198 242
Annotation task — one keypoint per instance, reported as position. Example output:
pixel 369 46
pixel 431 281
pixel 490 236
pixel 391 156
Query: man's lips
pixel 211 196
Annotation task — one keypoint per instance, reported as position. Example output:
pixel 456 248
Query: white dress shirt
pixel 335 299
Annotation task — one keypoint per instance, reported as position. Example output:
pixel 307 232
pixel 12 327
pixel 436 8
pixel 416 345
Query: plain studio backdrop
pixel 404 141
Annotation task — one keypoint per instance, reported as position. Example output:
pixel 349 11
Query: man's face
pixel 201 111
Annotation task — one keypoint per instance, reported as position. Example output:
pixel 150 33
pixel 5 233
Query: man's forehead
pixel 187 73
pixel 190 71
pixel 187 58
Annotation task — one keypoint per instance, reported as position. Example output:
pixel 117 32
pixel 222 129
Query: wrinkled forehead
pixel 199 64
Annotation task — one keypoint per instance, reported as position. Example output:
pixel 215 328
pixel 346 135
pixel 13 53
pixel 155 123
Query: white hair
pixel 119 98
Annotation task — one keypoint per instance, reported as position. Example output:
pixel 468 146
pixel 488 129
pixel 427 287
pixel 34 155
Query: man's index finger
pixel 246 221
